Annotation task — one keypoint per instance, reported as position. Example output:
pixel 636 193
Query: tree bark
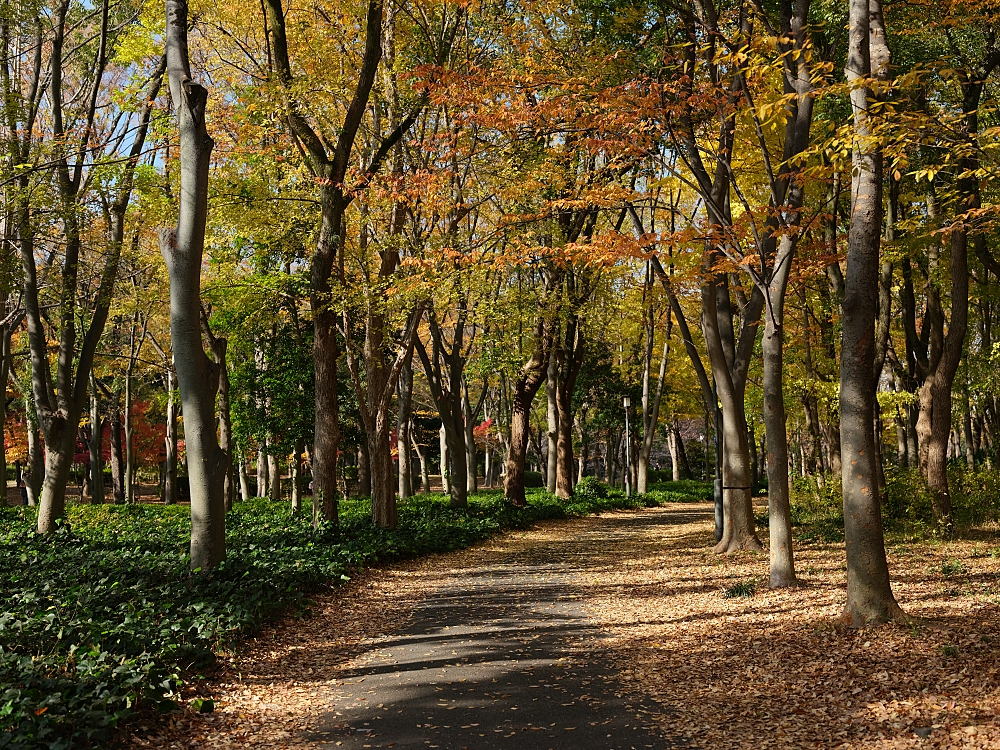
pixel 182 249
pixel 651 401
pixel 571 358
pixel 117 453
pixel 95 445
pixel 552 422
pixel 533 374
pixel 170 488
pixel 443 448
pixel 869 593
pixel 405 391
pixel 274 477
pixel 425 479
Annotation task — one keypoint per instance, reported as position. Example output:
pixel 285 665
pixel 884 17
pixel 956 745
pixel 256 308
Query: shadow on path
pixel 499 657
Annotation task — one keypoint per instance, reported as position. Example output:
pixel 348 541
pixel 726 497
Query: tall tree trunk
pixel 95 445
pixel 244 479
pixel 970 449
pixel 262 469
pixel 782 565
pixel 295 466
pixel 571 358
pixel 443 447
pixel 738 532
pixel 651 401
pixel 117 453
pixel 405 390
pixel 383 479
pixel 182 249
pixel 552 423
pixel 533 374
pixel 364 469
pixel 35 473
pixel 219 347
pixel 170 488
pixel 425 479
pixel 329 163
pixel 869 593
pixel 6 359
pixel 128 483
pixel 274 477
pixel 471 459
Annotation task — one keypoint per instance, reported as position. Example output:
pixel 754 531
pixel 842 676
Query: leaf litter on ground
pixel 770 668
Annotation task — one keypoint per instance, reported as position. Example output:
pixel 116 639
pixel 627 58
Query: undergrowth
pixel 104 615
pixel 907 514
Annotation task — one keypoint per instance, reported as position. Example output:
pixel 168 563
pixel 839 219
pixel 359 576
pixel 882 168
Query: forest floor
pixel 622 630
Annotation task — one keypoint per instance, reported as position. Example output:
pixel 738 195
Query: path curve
pixel 499 654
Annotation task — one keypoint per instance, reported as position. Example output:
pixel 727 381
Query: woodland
pixel 294 288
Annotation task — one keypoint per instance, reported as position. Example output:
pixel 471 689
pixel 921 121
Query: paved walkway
pixel 495 657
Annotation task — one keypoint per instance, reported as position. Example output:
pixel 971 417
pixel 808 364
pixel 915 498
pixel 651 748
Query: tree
pixel 61 170
pixel 869 593
pixel 182 248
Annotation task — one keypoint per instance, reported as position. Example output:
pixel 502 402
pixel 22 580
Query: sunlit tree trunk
pixel 405 391
pixel 552 424
pixel 869 594
pixel 182 249
pixel 170 488
pixel 95 445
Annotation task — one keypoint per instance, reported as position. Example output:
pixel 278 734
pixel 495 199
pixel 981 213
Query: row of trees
pixel 393 211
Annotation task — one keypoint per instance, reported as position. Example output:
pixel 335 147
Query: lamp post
pixel 626 402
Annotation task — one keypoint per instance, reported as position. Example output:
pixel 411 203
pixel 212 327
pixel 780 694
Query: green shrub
pixel 589 489
pixel 683 491
pixel 533 479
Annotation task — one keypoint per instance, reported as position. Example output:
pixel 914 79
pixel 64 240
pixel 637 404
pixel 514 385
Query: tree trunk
pixel 675 469
pixel 782 565
pixel 182 250
pixel 244 479
pixel 219 347
pixel 5 363
pixel 570 359
pixel 425 479
pixel 552 423
pixel 970 449
pixel 443 444
pixel 95 445
pixel 738 532
pixel 383 491
pixel 533 374
pixel 405 390
pixel 262 469
pixel 170 479
pixel 118 472
pixel 274 477
pixel 471 460
pixel 364 469
pixel 651 402
pixel 36 466
pixel 869 594
pixel 295 466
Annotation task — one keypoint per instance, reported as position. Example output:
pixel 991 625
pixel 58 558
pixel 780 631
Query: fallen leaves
pixel 768 670
pixel 773 670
